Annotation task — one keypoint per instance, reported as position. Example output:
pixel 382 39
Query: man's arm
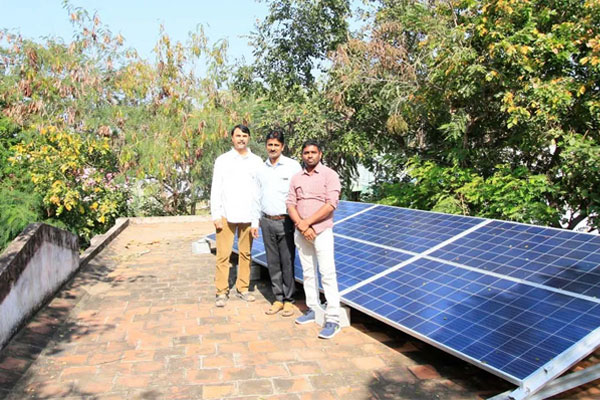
pixel 319 215
pixel 256 203
pixel 293 213
pixel 216 208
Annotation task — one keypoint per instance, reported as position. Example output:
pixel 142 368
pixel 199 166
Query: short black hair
pixel 242 128
pixel 311 142
pixel 275 134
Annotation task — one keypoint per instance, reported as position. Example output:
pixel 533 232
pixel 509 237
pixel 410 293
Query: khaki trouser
pixel 225 238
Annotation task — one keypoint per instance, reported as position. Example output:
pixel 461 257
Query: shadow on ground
pixel 51 329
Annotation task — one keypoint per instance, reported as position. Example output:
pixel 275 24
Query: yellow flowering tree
pixel 75 176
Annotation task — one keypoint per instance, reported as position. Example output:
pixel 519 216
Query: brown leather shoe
pixel 275 308
pixel 288 309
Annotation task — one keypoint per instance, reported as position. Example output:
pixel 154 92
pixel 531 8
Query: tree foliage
pixel 174 128
pixel 478 107
pixel 508 194
pixel 292 42
pixel 75 177
pixel 486 86
pixel 97 132
pixel 19 205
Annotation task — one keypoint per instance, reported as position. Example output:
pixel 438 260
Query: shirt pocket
pixel 284 185
pixel 299 192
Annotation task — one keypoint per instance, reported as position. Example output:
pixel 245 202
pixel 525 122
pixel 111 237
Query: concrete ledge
pixel 38 262
pixel 99 242
pixel 170 219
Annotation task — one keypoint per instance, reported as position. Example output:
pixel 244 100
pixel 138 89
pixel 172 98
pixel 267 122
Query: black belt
pixel 276 217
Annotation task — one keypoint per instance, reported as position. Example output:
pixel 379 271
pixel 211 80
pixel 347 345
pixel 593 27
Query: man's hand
pixel 309 234
pixel 218 224
pixel 302 226
pixel 254 232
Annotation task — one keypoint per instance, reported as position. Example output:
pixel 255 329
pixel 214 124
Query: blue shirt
pixel 274 184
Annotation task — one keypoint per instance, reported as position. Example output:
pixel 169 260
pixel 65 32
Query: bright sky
pixel 138 21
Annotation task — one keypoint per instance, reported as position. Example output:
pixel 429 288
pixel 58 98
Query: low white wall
pixel 32 268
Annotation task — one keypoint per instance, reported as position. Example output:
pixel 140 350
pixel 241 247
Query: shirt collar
pixel 317 168
pixel 236 154
pixel 282 161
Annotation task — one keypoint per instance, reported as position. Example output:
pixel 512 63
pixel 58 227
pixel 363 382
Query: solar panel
pixel 510 328
pixel 561 259
pixel 356 262
pixel 408 230
pixel 518 300
pixel 346 209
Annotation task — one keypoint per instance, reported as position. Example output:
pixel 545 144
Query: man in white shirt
pixel 277 228
pixel 232 203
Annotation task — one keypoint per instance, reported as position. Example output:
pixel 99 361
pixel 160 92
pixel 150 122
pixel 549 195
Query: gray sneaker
pixel 329 330
pixel 246 296
pixel 221 300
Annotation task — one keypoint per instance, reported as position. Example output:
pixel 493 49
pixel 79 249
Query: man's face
pixel 311 156
pixel 274 148
pixel 240 140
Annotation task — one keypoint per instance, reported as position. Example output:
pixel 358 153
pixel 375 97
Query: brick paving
pixel 139 322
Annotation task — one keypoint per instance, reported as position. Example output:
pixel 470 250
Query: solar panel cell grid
pixel 408 230
pixel 348 208
pixel 546 256
pixel 474 317
pixel 486 311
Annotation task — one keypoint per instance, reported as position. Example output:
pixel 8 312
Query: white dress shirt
pixel 234 189
pixel 274 184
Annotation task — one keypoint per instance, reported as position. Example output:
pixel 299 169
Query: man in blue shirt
pixel 273 180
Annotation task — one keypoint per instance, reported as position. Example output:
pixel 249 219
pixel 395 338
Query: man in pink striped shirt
pixel 313 196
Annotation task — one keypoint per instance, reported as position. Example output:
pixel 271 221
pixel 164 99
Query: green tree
pixel 19 204
pixel 484 86
pixel 508 194
pixel 291 47
pixel 292 42
pixel 174 123
pixel 60 96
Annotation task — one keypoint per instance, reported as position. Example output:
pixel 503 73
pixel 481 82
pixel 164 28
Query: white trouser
pixel 319 252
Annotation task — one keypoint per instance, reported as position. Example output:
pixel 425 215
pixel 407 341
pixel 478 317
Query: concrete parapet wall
pixel 32 268
pixel 42 258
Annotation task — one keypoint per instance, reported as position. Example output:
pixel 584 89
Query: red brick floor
pixel 139 323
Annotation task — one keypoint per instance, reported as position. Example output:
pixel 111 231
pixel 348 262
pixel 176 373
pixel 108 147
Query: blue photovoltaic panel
pixel 404 229
pixel 344 210
pixel 355 261
pixel 489 295
pixel 262 260
pixel 512 327
pixel 212 237
pixel 348 208
pixel 258 245
pixel 557 258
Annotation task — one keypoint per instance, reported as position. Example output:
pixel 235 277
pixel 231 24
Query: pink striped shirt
pixel 309 192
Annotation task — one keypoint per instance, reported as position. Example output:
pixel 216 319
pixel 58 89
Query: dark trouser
pixel 278 236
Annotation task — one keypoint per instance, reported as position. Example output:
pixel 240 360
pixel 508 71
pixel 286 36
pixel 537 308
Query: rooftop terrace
pixel 139 322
